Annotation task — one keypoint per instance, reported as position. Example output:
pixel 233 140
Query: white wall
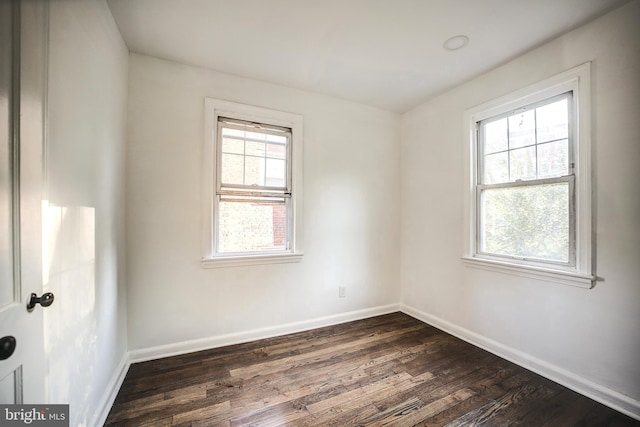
pixel 567 331
pixel 85 328
pixel 351 215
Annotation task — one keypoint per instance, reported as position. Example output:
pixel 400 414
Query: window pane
pixel 252 225
pixel 495 136
pixel 255 135
pixel 552 121
pixel 235 146
pixel 522 128
pixel 232 132
pixel 523 163
pixel 275 173
pixel 281 139
pixel 255 148
pixel 496 168
pixel 277 151
pixel 527 222
pixel 254 171
pixel 232 169
pixel 553 159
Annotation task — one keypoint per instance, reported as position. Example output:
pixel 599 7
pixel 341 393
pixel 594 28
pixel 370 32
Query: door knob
pixel 7 347
pixel 45 300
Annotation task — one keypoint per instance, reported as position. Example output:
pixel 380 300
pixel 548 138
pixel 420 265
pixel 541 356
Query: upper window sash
pixel 481 126
pixel 281 136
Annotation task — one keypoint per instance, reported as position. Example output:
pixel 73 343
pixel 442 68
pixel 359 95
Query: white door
pixel 22 76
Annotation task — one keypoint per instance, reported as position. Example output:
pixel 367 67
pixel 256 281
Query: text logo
pixel 34 415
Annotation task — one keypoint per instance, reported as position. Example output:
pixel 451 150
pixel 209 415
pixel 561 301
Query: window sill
pixel 563 277
pixel 245 260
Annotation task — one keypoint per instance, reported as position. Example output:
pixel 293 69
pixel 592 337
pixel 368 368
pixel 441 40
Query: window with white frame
pixel 253 159
pixel 528 167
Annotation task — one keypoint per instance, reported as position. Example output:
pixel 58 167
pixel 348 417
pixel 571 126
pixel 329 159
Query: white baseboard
pixel 597 392
pixel 111 392
pixel 158 352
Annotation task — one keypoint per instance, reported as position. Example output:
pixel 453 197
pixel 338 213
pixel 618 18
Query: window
pixel 528 204
pixel 525 184
pixel 253 159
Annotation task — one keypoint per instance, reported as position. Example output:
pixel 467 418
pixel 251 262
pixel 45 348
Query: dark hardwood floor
pixel 388 370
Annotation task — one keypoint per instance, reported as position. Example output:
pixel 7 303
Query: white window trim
pixel 577 80
pixel 215 108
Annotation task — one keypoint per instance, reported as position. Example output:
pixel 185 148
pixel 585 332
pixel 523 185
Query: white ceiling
pixel 385 53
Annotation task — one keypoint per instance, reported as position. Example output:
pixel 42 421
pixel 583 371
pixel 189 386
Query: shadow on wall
pixel 69 259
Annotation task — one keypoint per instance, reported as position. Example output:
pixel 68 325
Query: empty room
pixel 309 213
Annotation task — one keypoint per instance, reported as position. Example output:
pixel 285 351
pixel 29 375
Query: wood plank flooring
pixel 389 370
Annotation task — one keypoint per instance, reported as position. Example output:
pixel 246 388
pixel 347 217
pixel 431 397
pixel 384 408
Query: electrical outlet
pixel 342 291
